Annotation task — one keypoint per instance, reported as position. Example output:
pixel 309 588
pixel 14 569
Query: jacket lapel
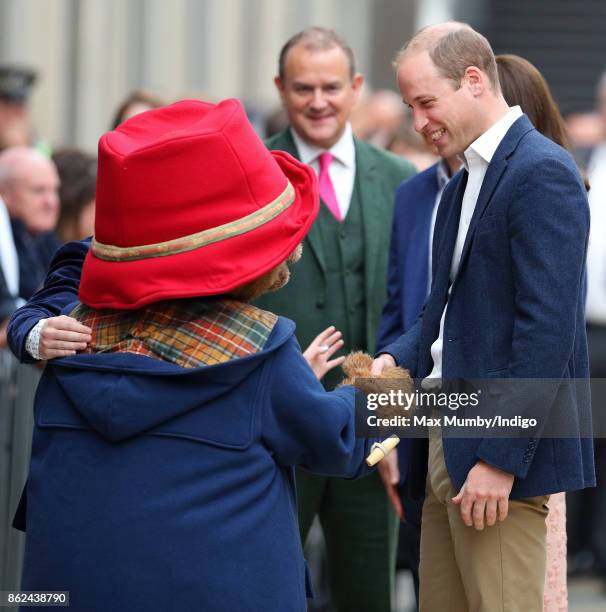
pixel 446 230
pixel 445 236
pixel 495 170
pixel 285 142
pixel 374 216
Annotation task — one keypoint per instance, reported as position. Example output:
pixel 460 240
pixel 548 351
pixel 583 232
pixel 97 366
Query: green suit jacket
pixel 378 174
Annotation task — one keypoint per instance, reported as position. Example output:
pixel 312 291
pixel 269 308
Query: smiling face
pixel 449 119
pixel 318 93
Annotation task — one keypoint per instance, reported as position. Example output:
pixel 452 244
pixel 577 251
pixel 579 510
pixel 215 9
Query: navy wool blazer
pixel 515 310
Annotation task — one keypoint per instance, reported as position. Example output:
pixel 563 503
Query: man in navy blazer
pixel 508 265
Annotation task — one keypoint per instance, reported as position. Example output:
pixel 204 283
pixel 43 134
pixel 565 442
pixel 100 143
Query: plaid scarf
pixel 190 333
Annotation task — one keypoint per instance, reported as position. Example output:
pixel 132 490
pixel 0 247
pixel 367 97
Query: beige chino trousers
pixel 498 569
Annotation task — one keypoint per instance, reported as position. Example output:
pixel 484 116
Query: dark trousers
pixel 409 544
pixel 361 529
pixel 586 509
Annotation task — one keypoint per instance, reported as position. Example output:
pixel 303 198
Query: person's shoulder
pixel 73 249
pixel 536 151
pixel 385 160
pixel 278 141
pixel 282 329
pixel 427 177
pixel 418 190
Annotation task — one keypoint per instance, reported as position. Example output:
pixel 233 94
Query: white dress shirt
pixel 342 170
pixel 8 254
pixel 476 159
pixel 596 252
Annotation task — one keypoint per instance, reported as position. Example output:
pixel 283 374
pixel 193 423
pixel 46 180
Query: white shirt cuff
pixel 32 342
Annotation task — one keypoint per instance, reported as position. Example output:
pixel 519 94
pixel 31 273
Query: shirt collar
pixel 343 150
pixel 484 147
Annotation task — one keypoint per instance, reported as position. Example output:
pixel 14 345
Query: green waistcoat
pixel 343 246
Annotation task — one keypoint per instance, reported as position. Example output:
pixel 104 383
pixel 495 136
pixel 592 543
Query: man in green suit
pixel 340 281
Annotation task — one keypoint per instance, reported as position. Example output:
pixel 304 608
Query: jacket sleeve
pixel 305 425
pixel 59 290
pixel 405 350
pixel 548 228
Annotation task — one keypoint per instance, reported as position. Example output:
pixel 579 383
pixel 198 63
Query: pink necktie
pixel 327 190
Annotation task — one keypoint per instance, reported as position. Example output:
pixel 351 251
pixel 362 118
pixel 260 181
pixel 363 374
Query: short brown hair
pixel 138 96
pixel 316 39
pixel 453 47
pixel 78 174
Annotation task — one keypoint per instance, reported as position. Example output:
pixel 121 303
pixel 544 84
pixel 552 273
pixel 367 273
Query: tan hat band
pixel 260 217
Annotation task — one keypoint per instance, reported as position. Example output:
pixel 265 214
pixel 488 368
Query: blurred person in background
pixel 9 274
pixel 136 102
pixel 16 129
pixel 15 122
pixel 585 130
pixel 340 281
pixel 384 114
pixel 411 146
pixel 587 509
pixel 29 186
pixel 78 175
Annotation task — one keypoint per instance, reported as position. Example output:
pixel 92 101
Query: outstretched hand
pixel 3 340
pixel 62 336
pixel 321 349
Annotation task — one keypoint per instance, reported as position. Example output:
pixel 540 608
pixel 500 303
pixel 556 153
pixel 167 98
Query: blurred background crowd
pixel 72 69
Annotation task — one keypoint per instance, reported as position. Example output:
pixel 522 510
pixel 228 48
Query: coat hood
pixel 121 395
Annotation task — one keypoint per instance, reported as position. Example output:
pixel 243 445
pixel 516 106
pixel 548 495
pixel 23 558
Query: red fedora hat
pixel 191 203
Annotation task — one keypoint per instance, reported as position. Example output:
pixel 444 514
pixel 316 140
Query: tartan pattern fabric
pixel 190 333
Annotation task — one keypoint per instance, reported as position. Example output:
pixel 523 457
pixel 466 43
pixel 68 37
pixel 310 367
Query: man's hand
pixel 322 347
pixel 62 336
pixel 390 475
pixel 3 326
pixel 485 492
pixel 381 362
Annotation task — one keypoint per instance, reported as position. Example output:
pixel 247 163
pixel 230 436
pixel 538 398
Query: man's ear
pixel 356 83
pixel 475 79
pixel 9 201
pixel 279 85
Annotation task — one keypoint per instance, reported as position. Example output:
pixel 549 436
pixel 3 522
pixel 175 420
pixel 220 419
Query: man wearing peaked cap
pixel 15 84
pixel 15 88
pixel 162 464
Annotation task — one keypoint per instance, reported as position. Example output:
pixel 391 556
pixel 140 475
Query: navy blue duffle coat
pixel 154 487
